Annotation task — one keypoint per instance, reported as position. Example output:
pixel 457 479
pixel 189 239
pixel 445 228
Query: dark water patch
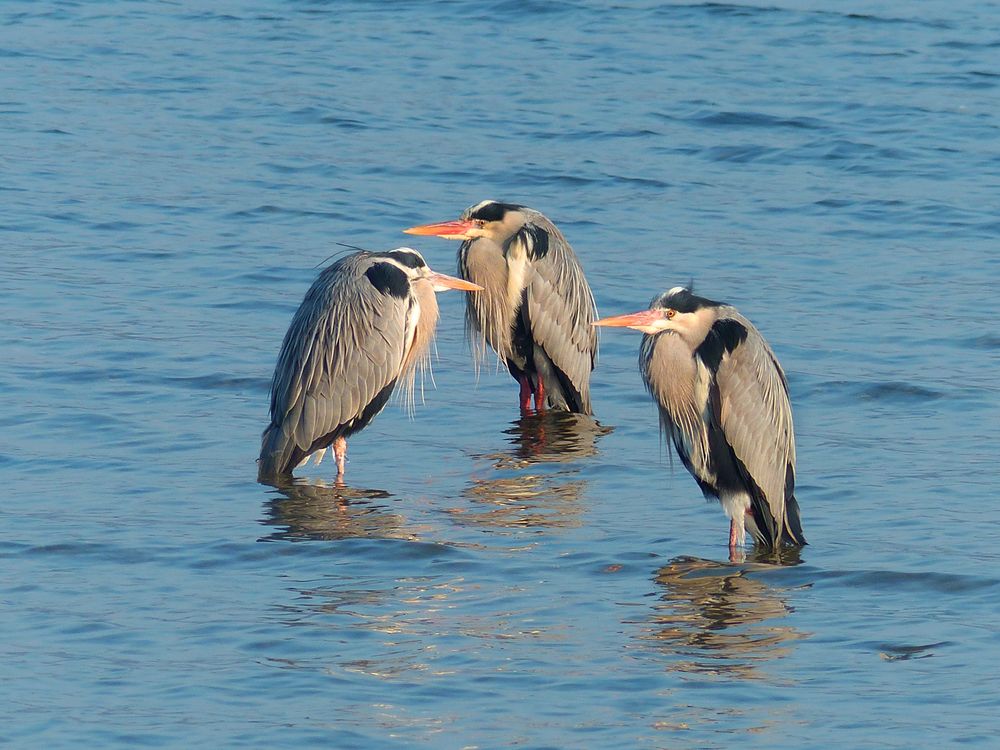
pixel 115 226
pixel 877 203
pixel 559 180
pixel 642 182
pixel 256 305
pixel 67 217
pixel 890 392
pixel 724 9
pixel 844 150
pixel 964 44
pixel 114 377
pixel 220 381
pixel 978 82
pixel 591 135
pixel 752 120
pixel 897 20
pixel 78 375
pixel 94 552
pixel 987 341
pixel 739 154
pixel 315 115
pixel 899 393
pixel 898 652
pixel 344 123
pixel 347 549
pixel 940 584
pixel 268 210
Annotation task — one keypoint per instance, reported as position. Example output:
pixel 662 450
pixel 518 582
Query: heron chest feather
pixel 421 321
pixel 489 312
pixel 680 384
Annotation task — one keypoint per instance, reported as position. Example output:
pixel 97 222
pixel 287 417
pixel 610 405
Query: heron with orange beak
pixel 365 324
pixel 536 308
pixel 723 399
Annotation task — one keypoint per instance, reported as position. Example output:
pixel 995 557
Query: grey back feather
pixel 561 308
pixel 342 349
pixel 560 304
pixel 756 416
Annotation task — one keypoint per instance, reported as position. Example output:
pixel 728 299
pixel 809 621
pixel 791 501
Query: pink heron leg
pixel 340 452
pixel 540 396
pixel 525 396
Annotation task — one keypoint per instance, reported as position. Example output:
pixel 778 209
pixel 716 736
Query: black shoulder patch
pixel 388 279
pixel 410 260
pixel 539 240
pixel 724 336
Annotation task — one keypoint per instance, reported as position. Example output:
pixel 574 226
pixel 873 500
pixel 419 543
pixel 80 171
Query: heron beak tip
pixel 449 230
pixel 443 282
pixel 641 321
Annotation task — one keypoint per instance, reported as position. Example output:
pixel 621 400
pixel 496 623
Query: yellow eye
pixel 671 314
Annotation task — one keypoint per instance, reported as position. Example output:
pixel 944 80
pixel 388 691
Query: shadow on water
pixel 319 511
pixel 719 618
pixel 519 490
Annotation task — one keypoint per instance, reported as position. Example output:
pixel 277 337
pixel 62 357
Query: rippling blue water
pixel 173 175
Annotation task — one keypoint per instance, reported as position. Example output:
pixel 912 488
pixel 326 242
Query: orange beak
pixel 449 230
pixel 641 321
pixel 442 281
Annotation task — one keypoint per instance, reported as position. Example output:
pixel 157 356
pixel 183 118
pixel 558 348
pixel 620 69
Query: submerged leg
pixel 540 396
pixel 737 533
pixel 525 395
pixel 340 453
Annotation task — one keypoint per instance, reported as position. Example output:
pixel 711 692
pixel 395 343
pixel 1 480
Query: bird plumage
pixel 536 310
pixel 723 400
pixel 365 324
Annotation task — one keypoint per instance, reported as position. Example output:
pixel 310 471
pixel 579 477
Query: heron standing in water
pixel 723 399
pixel 536 309
pixel 365 324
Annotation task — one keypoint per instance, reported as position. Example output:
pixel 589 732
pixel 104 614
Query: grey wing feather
pixel 326 373
pixel 561 309
pixel 756 417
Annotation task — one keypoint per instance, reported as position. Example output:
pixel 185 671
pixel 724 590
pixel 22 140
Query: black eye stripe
pixel 683 301
pixel 410 260
pixel 493 211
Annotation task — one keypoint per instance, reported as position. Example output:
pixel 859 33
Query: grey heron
pixel 536 308
pixel 723 399
pixel 365 324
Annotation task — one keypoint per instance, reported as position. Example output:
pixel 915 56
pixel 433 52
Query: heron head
pixel 416 269
pixel 677 310
pixel 489 218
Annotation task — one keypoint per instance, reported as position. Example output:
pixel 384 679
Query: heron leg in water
pixel 340 453
pixel 525 396
pixel 540 396
pixel 738 531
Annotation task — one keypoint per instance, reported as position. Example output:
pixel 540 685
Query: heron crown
pixel 490 210
pixel 683 300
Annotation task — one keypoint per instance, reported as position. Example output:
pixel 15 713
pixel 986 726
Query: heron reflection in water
pixel 521 490
pixel 722 619
pixel 320 511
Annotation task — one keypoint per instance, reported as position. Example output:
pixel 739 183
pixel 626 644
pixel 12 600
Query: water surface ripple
pixel 175 175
